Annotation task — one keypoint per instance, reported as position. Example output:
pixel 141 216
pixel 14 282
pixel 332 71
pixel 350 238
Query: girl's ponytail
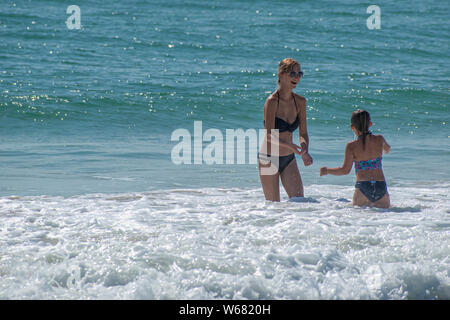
pixel 361 121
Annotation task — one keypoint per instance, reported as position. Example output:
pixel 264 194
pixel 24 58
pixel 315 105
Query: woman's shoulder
pixel 272 96
pixel 272 99
pixel 299 97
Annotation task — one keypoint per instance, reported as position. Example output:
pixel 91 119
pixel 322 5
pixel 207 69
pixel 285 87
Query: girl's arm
pixel 386 146
pixel 346 166
pixel 270 109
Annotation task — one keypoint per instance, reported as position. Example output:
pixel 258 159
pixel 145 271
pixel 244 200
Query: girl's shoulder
pixel 378 137
pixel 352 144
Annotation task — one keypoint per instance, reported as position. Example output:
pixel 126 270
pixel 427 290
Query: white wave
pixel 214 243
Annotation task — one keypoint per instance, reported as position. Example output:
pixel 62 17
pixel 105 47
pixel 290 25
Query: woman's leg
pixel 291 180
pixel 270 183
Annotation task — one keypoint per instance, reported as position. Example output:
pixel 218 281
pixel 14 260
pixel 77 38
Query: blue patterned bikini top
pixel 370 164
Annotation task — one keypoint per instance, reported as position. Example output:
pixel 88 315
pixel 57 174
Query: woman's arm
pixel 303 132
pixel 346 166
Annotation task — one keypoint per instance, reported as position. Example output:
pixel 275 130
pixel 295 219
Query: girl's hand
pixel 307 159
pixel 323 171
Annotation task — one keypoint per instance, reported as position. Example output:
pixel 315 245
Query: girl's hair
pixel 361 121
pixel 287 65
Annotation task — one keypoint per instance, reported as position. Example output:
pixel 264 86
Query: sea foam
pixel 214 243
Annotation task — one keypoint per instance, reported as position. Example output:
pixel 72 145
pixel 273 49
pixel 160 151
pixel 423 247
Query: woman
pixel 284 111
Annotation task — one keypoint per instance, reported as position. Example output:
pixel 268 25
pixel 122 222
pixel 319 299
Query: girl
pixel 284 111
pixel 366 152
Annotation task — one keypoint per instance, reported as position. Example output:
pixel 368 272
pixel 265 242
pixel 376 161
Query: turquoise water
pixel 93 207
pixel 102 101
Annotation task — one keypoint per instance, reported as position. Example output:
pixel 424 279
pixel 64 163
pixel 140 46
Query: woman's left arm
pixel 303 132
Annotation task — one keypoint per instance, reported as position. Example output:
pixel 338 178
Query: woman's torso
pixel 286 121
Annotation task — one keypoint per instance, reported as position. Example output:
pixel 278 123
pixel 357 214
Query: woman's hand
pixel 323 171
pixel 297 149
pixel 307 159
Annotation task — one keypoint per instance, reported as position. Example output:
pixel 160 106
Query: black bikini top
pixel 283 125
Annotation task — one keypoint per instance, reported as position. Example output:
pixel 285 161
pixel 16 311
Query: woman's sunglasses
pixel 294 74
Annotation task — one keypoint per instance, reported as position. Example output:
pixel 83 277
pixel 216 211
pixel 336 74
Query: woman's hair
pixel 287 65
pixel 361 121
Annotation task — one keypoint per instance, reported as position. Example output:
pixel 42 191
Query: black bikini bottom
pixel 373 190
pixel 283 161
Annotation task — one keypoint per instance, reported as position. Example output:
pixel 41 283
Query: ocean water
pixel 93 207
